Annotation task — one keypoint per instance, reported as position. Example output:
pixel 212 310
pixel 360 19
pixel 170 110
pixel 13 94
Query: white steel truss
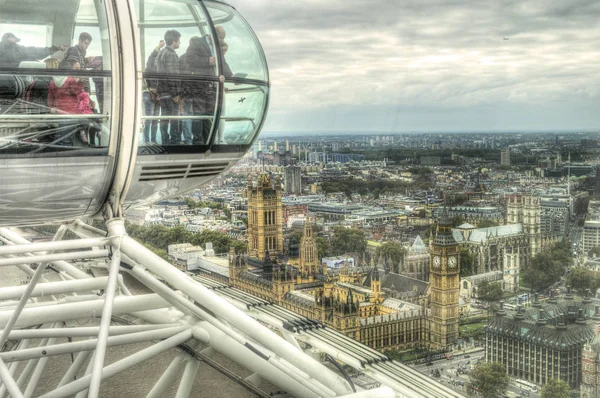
pixel 179 313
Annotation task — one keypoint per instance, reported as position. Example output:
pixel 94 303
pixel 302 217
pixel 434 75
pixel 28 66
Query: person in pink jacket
pixel 66 95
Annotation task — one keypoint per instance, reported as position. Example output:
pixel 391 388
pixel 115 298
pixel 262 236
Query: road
pixel 449 373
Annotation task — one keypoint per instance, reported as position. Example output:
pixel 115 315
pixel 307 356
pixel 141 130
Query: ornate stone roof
pixel 418 247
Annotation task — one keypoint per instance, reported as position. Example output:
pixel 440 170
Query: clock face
pixel 436 261
pixel 452 262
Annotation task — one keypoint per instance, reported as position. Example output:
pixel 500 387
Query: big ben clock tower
pixel 444 279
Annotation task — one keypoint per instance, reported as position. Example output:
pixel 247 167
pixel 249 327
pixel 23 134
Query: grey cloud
pixel 429 55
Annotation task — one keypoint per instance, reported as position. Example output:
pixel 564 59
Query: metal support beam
pixel 51 288
pixel 187 379
pixel 13 366
pixel 164 382
pixel 54 257
pixel 227 312
pixel 22 247
pixel 88 331
pixel 86 345
pixel 74 368
pixel 121 365
pixel 111 289
pixel 9 382
pixel 37 373
pixel 61 312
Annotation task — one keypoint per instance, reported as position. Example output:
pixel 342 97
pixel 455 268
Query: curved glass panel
pixel 243 109
pixel 180 73
pixel 244 56
pixel 55 76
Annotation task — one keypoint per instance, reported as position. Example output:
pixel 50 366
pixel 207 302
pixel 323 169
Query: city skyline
pixel 429 66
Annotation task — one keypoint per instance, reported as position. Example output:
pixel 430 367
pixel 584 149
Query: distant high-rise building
pixel 505 157
pixel 287 146
pixel 293 180
pixel 260 146
pixel 274 146
pixel 335 146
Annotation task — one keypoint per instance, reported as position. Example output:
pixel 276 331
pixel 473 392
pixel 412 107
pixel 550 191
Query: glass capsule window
pixel 195 66
pixel 55 80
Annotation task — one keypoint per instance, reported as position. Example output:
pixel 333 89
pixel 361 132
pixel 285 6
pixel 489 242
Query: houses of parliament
pixel 348 299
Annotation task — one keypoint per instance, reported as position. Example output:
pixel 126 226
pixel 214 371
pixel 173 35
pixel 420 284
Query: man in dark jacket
pixel 12 53
pixel 200 61
pixel 150 96
pixel 78 52
pixel 167 63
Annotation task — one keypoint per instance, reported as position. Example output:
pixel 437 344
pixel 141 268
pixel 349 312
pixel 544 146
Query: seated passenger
pixel 12 53
pixel 67 95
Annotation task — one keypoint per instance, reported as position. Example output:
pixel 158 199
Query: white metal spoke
pixel 74 368
pixel 9 382
pixel 111 288
pixel 89 331
pixel 187 380
pixel 245 324
pixel 54 257
pixel 86 309
pixel 52 288
pixel 121 365
pixel 181 313
pixel 165 380
pixel 85 345
pixel 37 374
pixel 13 366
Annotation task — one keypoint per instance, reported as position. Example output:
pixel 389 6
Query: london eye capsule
pixel 123 102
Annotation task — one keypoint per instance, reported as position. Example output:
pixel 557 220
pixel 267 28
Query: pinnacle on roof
pixel 308 231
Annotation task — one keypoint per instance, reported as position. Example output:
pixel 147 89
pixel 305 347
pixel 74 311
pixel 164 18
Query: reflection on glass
pixel 52 113
pixel 54 85
pixel 243 107
pixel 245 58
pixel 185 120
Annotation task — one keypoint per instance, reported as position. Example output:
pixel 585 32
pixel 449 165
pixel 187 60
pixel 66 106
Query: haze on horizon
pixel 429 65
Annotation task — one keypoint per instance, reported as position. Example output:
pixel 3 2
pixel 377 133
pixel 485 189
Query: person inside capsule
pixel 167 63
pixel 12 53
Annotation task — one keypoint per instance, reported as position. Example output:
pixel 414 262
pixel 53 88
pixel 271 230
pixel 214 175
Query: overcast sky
pixel 430 65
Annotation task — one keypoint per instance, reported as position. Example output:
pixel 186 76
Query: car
pixel 429 363
pixel 467 356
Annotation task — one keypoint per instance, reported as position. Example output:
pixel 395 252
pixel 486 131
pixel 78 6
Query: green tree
pixel 595 252
pixel 346 240
pixel 323 247
pixel 486 224
pixel 457 220
pixel 582 279
pixel 547 266
pixel 489 379
pixel 489 291
pixel 393 251
pixel 555 389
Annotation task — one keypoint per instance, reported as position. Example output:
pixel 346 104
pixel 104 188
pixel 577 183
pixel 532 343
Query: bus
pixel 508 306
pixel 526 385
